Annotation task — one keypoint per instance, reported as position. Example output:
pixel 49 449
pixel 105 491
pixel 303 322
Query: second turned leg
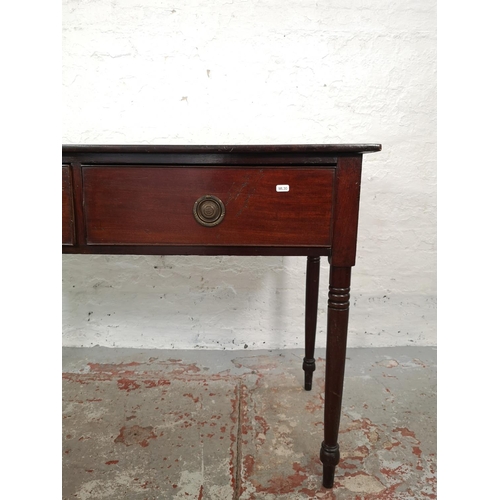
pixel 312 287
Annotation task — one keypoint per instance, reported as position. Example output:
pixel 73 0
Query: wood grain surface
pixel 154 206
pixel 67 208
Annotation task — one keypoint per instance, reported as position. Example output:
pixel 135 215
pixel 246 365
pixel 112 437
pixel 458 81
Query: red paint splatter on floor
pixel 389 445
pixel 357 473
pixel 406 433
pixel 345 465
pixel 419 362
pixel 248 464
pixel 72 377
pixel 278 484
pixel 184 369
pixel 112 462
pixel 391 472
pixel 135 435
pixel 113 369
pixel 149 384
pixel 387 494
pixel 315 407
pixel 360 453
pixel 262 422
pixel 128 385
pixel 287 484
pixel 196 400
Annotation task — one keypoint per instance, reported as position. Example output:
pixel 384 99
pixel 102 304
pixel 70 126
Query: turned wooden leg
pixel 338 315
pixel 312 287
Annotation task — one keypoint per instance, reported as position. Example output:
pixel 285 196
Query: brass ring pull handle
pixel 209 210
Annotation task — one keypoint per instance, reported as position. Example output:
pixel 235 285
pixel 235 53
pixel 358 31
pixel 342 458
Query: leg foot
pixel 308 365
pixel 330 457
pixel 328 476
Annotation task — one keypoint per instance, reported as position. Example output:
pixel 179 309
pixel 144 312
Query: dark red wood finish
pixel 143 205
pixel 311 317
pixel 345 226
pixel 336 342
pixel 309 150
pixel 139 199
pixel 68 233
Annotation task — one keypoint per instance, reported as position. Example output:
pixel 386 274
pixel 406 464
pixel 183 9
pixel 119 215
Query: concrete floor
pixel 224 425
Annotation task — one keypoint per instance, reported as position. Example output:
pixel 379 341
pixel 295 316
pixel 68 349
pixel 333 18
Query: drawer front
pixel 154 205
pixel 67 208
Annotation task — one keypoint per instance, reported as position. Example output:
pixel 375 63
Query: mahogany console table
pixel 229 200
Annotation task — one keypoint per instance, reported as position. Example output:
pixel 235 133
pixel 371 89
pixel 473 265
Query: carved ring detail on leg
pixel 309 366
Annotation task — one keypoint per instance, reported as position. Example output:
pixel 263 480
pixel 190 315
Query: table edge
pixel 236 148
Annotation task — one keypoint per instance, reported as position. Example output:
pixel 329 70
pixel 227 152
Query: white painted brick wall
pixel 193 72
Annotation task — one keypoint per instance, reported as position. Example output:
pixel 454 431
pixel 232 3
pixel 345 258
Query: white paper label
pixel 282 188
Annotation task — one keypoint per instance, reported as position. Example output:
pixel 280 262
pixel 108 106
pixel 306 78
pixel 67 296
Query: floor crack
pixel 237 487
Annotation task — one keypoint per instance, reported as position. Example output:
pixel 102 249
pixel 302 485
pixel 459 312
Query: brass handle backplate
pixel 209 210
